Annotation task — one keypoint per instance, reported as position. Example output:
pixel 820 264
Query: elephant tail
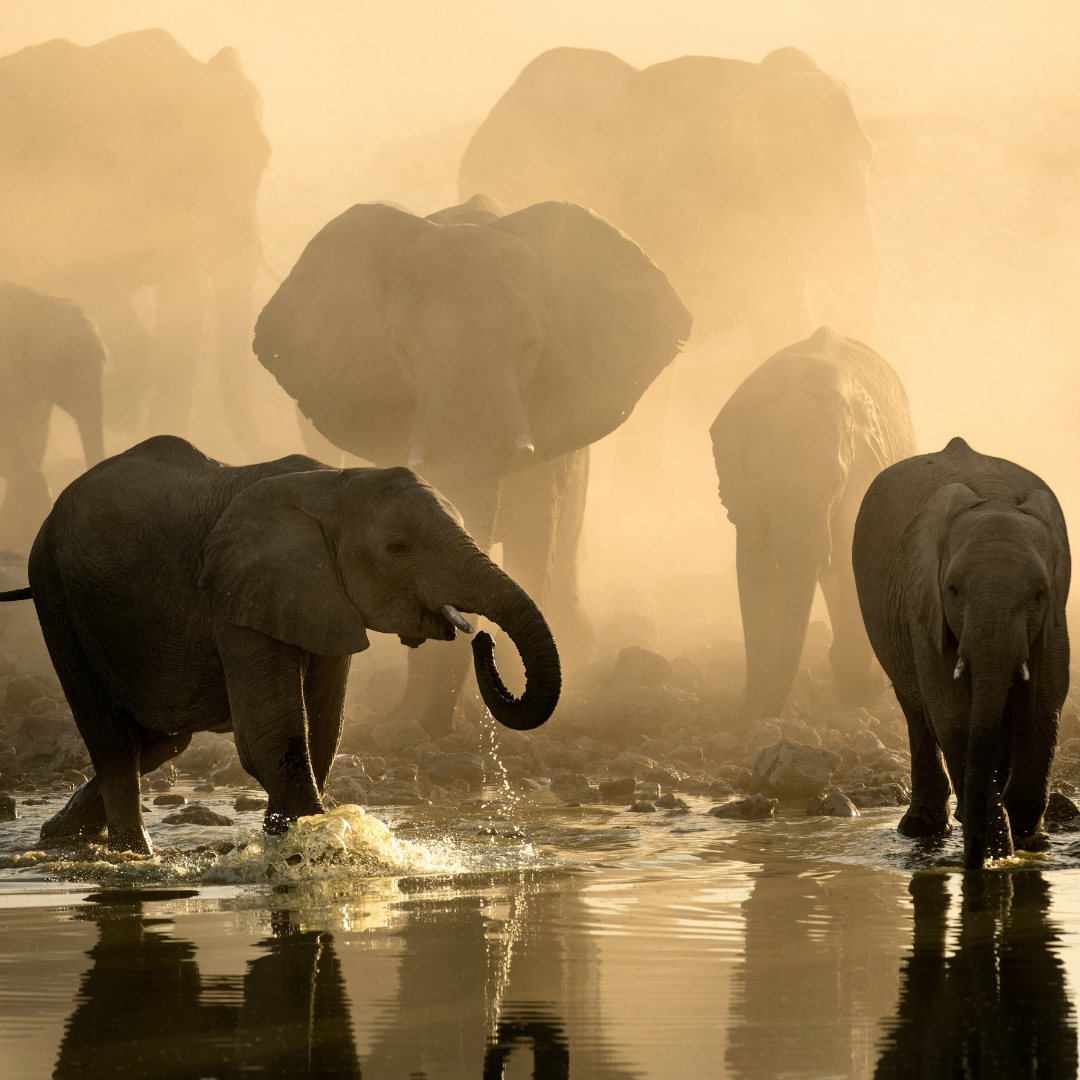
pixel 17 594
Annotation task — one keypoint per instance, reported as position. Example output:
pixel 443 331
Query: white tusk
pixel 455 617
pixel 959 668
pixel 1024 671
pixel 524 443
pixel 416 456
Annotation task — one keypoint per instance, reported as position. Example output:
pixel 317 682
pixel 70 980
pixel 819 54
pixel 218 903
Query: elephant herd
pixel 473 356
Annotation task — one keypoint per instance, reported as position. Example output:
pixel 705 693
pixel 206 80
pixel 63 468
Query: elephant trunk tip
pixel 529 711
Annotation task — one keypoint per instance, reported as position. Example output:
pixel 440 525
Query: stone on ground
pixel 620 790
pixel 397 735
pixel 8 808
pixel 790 770
pixel 883 795
pixel 640 667
pixel 197 815
pixel 751 809
pixel 835 804
pixel 1060 808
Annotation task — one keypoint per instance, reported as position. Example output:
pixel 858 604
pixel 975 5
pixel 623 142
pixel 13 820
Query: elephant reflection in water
pixel 998 1006
pixel 145 1010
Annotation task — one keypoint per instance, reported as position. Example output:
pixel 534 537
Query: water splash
pixel 489 749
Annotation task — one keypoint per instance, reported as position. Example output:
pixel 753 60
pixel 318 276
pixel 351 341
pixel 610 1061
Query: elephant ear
pixel 615 323
pixel 270 564
pixel 1045 508
pixel 322 333
pixel 924 546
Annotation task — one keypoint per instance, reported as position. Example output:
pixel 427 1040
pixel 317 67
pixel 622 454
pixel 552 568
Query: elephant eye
pixel 399 548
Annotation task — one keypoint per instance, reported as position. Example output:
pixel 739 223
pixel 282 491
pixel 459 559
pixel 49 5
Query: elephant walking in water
pixel 130 164
pixel 50 354
pixel 796 447
pixel 487 350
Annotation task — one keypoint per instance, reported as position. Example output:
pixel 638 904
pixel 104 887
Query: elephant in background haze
pixel 177 594
pixel 962 565
pixel 486 349
pixel 130 164
pixel 796 447
pixel 746 182
pixel 50 354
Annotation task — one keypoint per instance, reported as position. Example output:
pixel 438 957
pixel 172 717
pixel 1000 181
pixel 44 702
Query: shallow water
pixel 530 939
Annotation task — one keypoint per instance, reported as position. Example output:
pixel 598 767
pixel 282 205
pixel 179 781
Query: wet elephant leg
pixel 324 701
pixel 928 813
pixel 265 681
pixel 26 502
pixel 759 599
pixel 181 307
pixel 1028 786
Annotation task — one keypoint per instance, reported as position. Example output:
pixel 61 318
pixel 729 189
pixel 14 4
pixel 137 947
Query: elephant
pixel 487 350
pixel 745 182
pixel 796 447
pixel 176 594
pixel 50 354
pixel 962 568
pixel 130 164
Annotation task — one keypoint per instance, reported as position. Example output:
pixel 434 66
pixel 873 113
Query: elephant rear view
pixel 796 447
pixel 962 565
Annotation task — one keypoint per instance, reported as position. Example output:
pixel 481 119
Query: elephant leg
pixel 437 672
pixel 35 429
pixel 130 347
pixel 851 655
pixel 759 600
pixel 1028 787
pixel 265 681
pixel 181 306
pixel 324 701
pixel 928 813
pixel 27 502
pixel 316 444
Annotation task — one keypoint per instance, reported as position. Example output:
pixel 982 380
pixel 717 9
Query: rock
pixel 751 809
pixel 620 790
pixel 799 732
pixel 640 667
pixel 721 744
pixel 692 755
pixel 885 795
pixel 405 772
pixel 636 764
pixel 856 720
pixel 649 790
pixel 348 789
pixel 459 766
pixel 626 629
pixel 397 735
pixel 9 810
pixel 394 793
pixel 848 755
pixel 719 790
pixel 40 706
pixel 642 808
pixel 567 783
pixel 161 784
pixel 10 765
pixel 665 778
pixel 871 751
pixel 835 804
pixel 170 800
pixel 8 783
pixel 245 803
pixel 206 752
pixel 1068 727
pixel 40 738
pixel 375 767
pixel 232 775
pixel 669 801
pixel 196 815
pixel 1060 809
pixel 21 691
pixel 760 733
pixel 791 770
pixel 204 788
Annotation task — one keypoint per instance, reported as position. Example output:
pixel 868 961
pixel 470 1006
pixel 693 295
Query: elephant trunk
pixel 233 290
pixel 992 670
pixel 507 604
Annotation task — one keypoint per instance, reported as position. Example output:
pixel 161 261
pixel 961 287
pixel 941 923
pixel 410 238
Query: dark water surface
pixel 529 939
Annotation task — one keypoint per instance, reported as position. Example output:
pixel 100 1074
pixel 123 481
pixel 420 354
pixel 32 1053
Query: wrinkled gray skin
pixel 796 447
pixel 962 566
pixel 50 354
pixel 178 595
pixel 487 349
pixel 745 182
pixel 134 165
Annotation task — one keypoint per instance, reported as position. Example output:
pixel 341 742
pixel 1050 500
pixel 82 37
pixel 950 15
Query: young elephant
pixel 50 354
pixel 178 595
pixel 962 566
pixel 796 447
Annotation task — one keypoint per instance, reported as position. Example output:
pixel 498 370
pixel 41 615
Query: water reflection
pixel 145 1010
pixel 997 1006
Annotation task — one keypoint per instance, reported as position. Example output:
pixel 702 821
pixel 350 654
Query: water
pixel 493 940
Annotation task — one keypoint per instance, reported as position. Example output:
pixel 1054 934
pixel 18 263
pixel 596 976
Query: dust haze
pixel 974 195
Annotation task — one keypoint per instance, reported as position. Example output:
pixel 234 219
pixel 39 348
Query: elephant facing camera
pixel 178 595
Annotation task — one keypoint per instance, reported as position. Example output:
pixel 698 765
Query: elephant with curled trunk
pixel 176 595
pixel 50 354
pixel 129 165
pixel 796 447
pixel 487 349
pixel 962 565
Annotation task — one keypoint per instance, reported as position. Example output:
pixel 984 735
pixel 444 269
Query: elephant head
pixel 988 578
pixel 472 348
pixel 317 558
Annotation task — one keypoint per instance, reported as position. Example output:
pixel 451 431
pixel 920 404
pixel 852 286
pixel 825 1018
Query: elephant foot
pixel 1038 841
pixel 83 815
pixel 133 839
pixel 923 820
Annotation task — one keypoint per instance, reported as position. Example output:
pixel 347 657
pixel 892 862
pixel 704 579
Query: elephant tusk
pixel 1024 671
pixel 416 456
pixel 524 444
pixel 958 671
pixel 455 617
